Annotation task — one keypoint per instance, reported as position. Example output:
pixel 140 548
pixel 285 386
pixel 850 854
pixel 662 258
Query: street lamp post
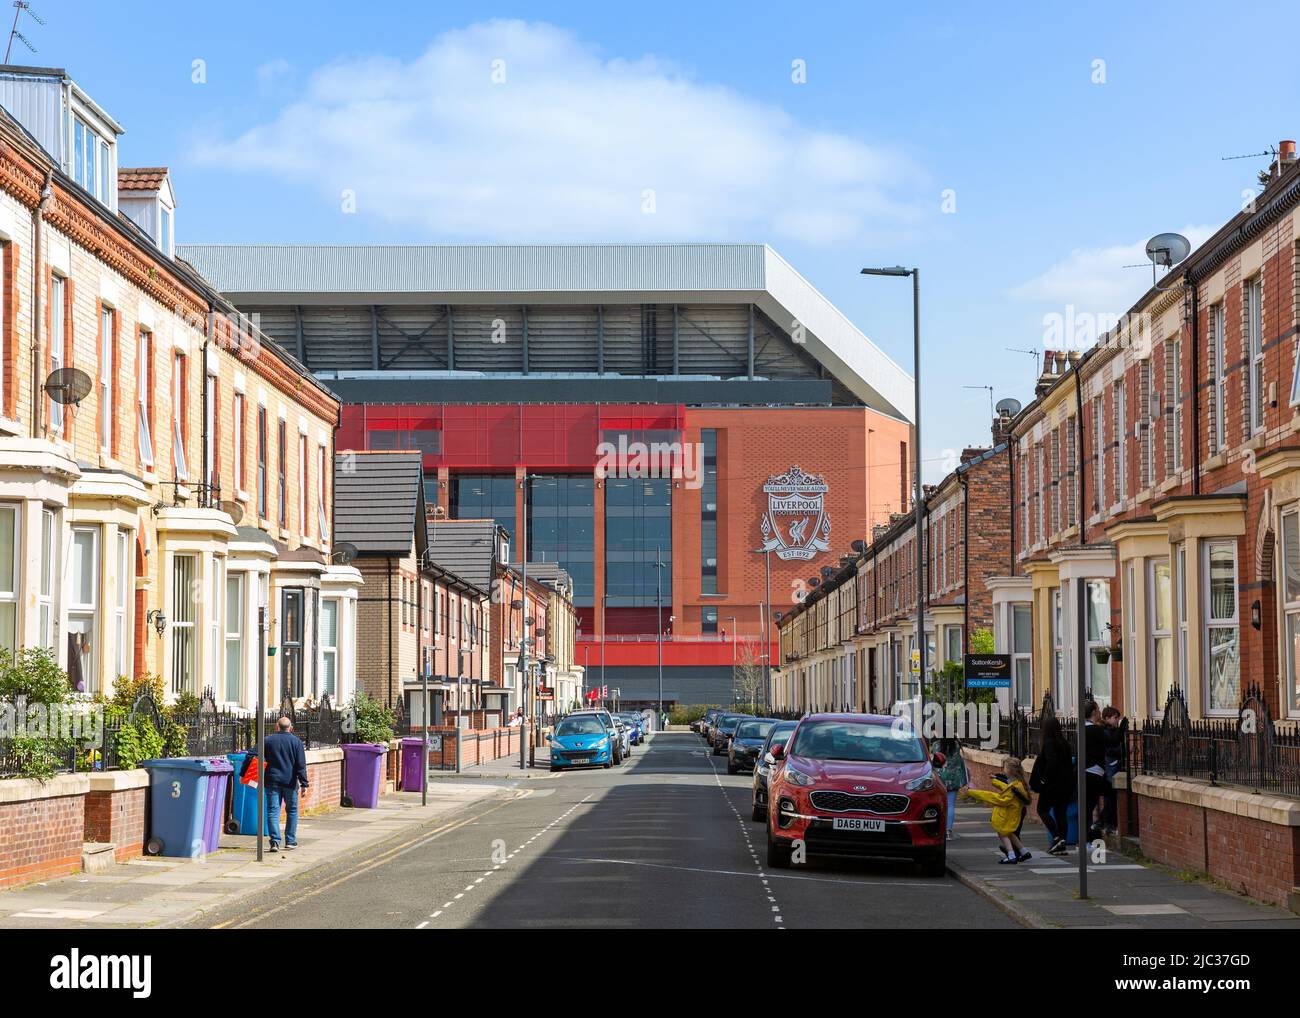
pixel 917 498
pixel 765 622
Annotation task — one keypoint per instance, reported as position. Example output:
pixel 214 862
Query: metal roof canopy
pixel 306 274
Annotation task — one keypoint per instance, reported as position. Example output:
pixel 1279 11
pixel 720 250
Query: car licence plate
pixel 582 759
pixel 858 824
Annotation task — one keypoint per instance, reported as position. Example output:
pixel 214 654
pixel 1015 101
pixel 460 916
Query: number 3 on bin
pixel 176 789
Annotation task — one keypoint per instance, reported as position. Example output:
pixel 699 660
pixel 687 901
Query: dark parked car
pixel 723 730
pixel 778 734
pixel 746 743
pixel 707 722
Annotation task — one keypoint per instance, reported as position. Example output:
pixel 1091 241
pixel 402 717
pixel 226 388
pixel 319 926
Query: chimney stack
pixel 1049 375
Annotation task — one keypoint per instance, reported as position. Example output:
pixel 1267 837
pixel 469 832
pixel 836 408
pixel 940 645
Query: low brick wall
pixel 477 745
pixel 42 827
pixel 115 811
pixel 1249 841
pixel 325 779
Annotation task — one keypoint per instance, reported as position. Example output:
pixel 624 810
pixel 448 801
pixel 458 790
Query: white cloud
pixel 1096 280
pixel 567 147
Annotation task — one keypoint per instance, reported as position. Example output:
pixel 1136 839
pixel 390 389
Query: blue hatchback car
pixel 636 726
pixel 580 740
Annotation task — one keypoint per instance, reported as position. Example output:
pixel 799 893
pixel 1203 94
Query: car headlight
pixel 555 745
pixel 921 784
pixel 798 777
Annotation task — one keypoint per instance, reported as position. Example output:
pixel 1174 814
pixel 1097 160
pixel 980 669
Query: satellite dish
pixel 859 546
pixel 1168 249
pixel 344 553
pixel 67 385
pixel 828 572
pixel 1008 407
pixel 813 581
pixel 778 616
pixel 232 509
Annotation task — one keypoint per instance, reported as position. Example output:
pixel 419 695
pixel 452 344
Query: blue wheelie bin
pixel 187 797
pixel 243 801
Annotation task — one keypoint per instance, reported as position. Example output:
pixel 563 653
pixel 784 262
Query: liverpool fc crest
pixel 796 524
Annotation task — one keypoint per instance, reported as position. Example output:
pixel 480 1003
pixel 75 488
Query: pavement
pixel 163 892
pixel 1123 891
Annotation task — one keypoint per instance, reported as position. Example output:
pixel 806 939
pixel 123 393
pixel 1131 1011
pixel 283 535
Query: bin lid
pixel 204 764
pixel 412 741
pixel 364 747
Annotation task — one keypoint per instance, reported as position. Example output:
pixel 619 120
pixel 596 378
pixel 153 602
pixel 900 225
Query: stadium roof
pixel 308 274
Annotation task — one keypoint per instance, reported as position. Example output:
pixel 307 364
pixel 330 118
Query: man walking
pixel 285 773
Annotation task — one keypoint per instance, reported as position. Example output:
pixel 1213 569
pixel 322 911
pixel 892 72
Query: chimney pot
pixel 1286 151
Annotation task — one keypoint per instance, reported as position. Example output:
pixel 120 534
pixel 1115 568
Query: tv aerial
pixel 67 385
pixel 21 7
pixel 1165 250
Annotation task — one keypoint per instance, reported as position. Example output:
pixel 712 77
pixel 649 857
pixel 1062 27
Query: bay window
pixel 1222 648
pixel 1058 651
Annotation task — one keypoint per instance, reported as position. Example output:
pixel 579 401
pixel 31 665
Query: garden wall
pixel 42 827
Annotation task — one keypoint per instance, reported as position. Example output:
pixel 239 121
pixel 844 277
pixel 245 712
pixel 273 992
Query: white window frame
pixel 89 611
pixel 1175 365
pixel 303 474
pixel 1156 635
pixel 330 651
pixel 58 341
pixel 1058 648
pixel 1018 657
pixel 1179 581
pixel 237 443
pixel 216 619
pixel 1213 624
pixel 1130 635
pixel 143 396
pixel 1219 418
pixel 322 521
pixel 178 412
pixel 1121 442
pixel 183 623
pixel 1102 619
pixel 1099 447
pixel 122 609
pixel 48 581
pixel 107 320
pixel 1289 596
pixel 9 583
pixel 210 428
pixel 1253 308
pixel 234 637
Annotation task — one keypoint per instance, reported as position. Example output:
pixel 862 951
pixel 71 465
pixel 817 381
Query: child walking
pixel 1009 799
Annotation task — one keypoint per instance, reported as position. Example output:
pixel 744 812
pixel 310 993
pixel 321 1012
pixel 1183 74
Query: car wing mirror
pixel 778 752
pixel 938 760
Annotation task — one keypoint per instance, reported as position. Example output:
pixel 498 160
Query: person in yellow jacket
pixel 1009 799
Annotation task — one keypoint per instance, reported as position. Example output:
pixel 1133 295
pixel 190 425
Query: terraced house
pixel 1157 497
pixel 163 472
pixel 849 641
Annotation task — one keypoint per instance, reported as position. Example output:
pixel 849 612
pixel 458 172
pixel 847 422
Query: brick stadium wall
pixel 116 811
pixel 42 827
pixel 1250 842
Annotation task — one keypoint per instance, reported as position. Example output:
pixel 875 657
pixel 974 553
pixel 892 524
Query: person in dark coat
pixel 1053 780
pixel 285 773
pixel 1115 732
pixel 1094 761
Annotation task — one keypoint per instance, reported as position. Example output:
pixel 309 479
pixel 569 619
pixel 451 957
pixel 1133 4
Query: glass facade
pixel 709 512
pixel 480 497
pixel 638 527
pixel 562 528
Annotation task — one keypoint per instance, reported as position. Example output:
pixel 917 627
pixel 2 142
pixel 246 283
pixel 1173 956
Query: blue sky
pixel 1055 168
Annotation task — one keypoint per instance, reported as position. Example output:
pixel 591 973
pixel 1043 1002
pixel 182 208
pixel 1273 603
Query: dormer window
pixel 165 236
pixel 91 160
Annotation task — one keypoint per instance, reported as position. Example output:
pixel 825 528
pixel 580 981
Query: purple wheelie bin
pixel 363 765
pixel 413 775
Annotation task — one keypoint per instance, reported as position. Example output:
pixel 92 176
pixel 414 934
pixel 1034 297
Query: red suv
pixel 856 784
